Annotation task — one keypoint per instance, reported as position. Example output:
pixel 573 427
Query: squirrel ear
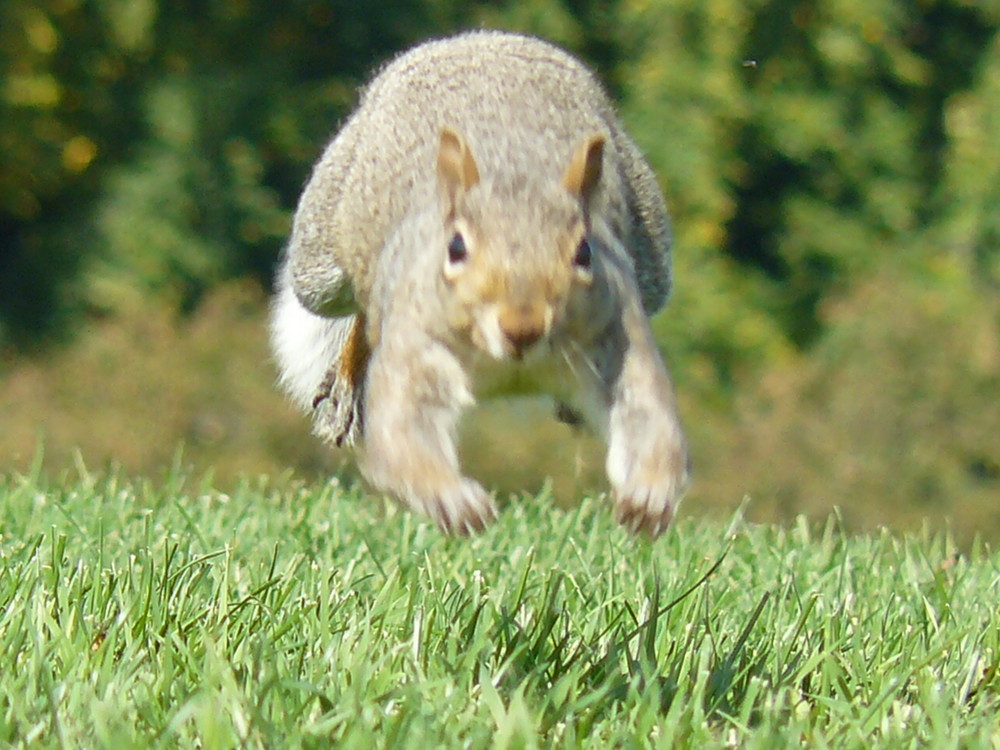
pixel 457 170
pixel 584 170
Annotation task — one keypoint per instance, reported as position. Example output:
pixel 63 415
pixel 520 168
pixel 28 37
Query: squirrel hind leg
pixel 337 410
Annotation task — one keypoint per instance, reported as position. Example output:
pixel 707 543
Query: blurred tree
pixel 153 149
pixel 66 107
pixel 969 193
pixel 800 142
pixel 241 97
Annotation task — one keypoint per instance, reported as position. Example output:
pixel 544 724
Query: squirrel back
pixel 521 105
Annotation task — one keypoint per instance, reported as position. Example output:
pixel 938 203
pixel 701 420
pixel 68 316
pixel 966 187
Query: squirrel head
pixel 520 265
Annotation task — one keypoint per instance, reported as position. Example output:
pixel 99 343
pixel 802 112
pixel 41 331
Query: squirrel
pixel 481 218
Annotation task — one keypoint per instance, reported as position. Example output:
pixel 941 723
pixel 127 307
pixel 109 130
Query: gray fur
pixel 488 86
pixel 511 145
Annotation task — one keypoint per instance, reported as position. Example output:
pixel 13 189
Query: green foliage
pixel 799 142
pixel 172 137
pixel 164 613
pixel 832 169
pixel 970 191
pixel 66 105
pixel 191 209
pixel 805 142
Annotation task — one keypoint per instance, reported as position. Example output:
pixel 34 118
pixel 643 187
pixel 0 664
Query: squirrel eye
pixel 457 251
pixel 584 255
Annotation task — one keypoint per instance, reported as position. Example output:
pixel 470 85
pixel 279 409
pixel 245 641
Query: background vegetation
pixel 833 170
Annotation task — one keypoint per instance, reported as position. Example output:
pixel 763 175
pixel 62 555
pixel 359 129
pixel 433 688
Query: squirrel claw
pixel 645 501
pixel 648 466
pixel 463 509
pixel 337 411
pixel 645 511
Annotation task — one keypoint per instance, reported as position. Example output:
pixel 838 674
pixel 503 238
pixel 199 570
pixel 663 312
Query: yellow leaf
pixel 40 33
pixel 38 90
pixel 78 152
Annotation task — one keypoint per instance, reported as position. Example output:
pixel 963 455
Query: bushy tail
pixel 321 364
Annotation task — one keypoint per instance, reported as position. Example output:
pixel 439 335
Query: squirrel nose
pixel 522 327
pixel 522 339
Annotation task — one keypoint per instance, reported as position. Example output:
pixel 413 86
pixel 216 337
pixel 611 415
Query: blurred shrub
pixel 803 142
pixel 969 195
pixel 893 417
pixel 159 146
pixel 67 89
pixel 143 382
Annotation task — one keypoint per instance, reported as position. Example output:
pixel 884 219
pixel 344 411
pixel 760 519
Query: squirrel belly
pixel 481 222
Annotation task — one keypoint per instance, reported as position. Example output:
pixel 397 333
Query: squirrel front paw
pixel 648 471
pixel 461 507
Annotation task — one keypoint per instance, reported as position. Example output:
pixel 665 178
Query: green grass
pixel 166 614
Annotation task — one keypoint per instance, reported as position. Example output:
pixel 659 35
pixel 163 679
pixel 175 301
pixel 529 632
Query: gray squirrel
pixel 481 219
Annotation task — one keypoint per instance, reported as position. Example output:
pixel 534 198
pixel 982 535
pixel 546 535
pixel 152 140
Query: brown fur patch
pixel 355 354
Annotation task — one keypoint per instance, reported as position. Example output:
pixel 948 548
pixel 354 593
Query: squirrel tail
pixel 322 362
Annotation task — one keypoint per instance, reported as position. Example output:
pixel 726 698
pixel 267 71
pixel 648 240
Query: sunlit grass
pixel 164 613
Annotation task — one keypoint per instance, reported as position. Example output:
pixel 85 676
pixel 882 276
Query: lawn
pixel 163 613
